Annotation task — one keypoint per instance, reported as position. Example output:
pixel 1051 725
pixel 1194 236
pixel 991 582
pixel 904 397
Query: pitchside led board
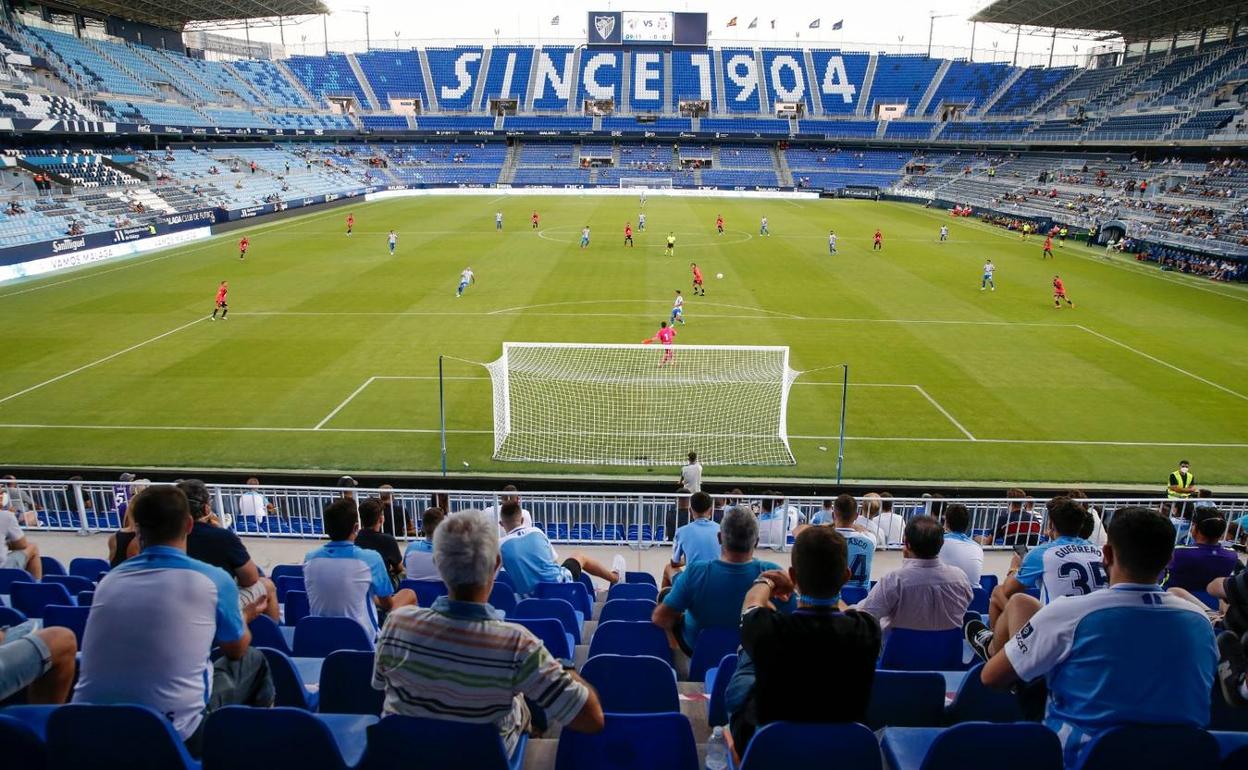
pixel 646 28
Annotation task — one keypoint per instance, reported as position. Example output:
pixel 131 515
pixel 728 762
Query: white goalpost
pixel 645 183
pixel 627 405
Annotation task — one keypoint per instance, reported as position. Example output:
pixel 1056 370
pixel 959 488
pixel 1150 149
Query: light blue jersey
pixel 1067 566
pixel 530 559
pixel 418 561
pixel 1131 654
pixel 343 579
pixel 831 243
pixel 696 541
pixel 498 221
pixel 641 221
pixel 861 546
pixel 585 238
pixel 393 240
pixel 762 227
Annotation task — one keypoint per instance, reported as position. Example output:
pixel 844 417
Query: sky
pixel 887 25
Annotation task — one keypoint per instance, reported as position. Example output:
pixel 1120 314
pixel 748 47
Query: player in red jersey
pixel 719 224
pixel 242 247
pixel 535 220
pixel 1059 293
pixel 1048 248
pixel 698 288
pixel 628 233
pixel 221 304
pixel 350 224
pixel 879 241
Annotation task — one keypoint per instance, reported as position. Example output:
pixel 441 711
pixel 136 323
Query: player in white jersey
pixel 393 239
pixel 678 309
pixel 989 269
pixel 585 237
pixel 831 241
pixel 643 197
pixel 944 233
pixel 641 221
pixel 1066 565
pixel 465 278
pixel 498 220
pixel 762 227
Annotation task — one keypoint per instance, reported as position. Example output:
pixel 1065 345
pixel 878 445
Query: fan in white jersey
pixel 1066 565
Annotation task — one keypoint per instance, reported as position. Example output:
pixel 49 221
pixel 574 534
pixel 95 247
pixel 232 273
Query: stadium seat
pixel 974 702
pixel 286 570
pixel 909 650
pixel 88 568
pixel 52 566
pixel 241 738
pixel 716 687
pixel 85 598
pixel 1222 716
pixel 1029 746
pixel 346 685
pixel 82 737
pixel 317 637
pixel 559 609
pixel 558 641
pixel 503 598
pixel 640 577
pixel 287 683
pixel 266 633
pixel 588 582
pixel 795 746
pixel 636 610
pixel 1152 747
pixel 9 576
pixel 25 745
pixel 296 608
pixel 11 617
pixel 631 742
pixel 402 743
pixel 31 598
pixel 427 591
pixel 979 601
pixel 1234 750
pixel 906 699
pixel 851 595
pixel 620 638
pixel 72 583
pixel 287 583
pixel 633 591
pixel 72 617
pixel 632 684
pixel 574 593
pixel 1207 598
pixel 988 583
pixel 710 647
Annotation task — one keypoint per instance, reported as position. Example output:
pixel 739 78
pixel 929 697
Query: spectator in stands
pixel 1019 525
pixel 40 662
pixel 345 580
pixel 708 594
pixel 777 520
pixel 728 503
pixel 530 559
pixel 696 541
pixel 789 663
pixel 460 661
pixel 825 516
pixel 691 474
pixel 21 502
pixel 890 528
pixel 347 484
pixel 212 544
pixel 868 511
pixel 1091 649
pixel 1065 565
pixel 124 543
pixel 394 517
pixel 959 550
pixel 155 620
pixel 859 540
pixel 510 495
pixel 371 538
pixel 418 559
pixel 677 515
pixel 16 550
pixel 925 594
pixel 253 504
pixel 1194 567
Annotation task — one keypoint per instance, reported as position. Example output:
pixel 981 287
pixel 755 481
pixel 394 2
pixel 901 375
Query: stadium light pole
pixel 931 27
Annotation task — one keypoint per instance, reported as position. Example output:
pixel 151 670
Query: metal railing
pixel 632 519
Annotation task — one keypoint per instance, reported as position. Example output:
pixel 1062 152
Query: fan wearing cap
pixel 1193 567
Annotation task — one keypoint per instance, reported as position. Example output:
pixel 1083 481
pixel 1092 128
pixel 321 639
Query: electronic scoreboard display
pixel 657 28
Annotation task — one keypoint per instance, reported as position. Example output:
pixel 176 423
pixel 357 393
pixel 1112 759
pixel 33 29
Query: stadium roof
pixel 175 14
pixel 1133 19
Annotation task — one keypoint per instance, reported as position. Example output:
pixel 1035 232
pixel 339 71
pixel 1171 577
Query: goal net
pixel 626 405
pixel 645 183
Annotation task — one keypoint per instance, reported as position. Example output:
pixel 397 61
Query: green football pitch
pixel 329 357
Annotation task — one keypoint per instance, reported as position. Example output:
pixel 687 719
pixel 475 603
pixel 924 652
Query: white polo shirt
pixel 153 623
pixel 964 553
pixel 691 477
pixel 343 579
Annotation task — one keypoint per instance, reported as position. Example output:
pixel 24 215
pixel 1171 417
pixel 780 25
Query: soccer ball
pixel 719 275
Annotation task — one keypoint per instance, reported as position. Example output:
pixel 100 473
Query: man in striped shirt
pixel 458 660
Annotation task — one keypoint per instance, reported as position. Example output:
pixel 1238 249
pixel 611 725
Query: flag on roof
pixel 814 24
pixel 732 22
pixel 838 24
pixel 554 22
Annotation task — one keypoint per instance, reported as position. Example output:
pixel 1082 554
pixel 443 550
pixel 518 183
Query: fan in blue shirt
pixel 696 541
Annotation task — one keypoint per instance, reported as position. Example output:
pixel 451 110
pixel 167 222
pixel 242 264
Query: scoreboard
pixel 648 28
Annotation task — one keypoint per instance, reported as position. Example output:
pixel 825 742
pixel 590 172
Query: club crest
pixel 604 25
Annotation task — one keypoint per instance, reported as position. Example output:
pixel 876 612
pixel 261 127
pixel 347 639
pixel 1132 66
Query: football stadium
pixel 629 389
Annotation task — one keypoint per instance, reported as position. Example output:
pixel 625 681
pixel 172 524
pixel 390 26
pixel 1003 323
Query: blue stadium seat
pixel 72 617
pixel 975 702
pixel 558 641
pixel 287 583
pixel 906 699
pixel 851 595
pixel 1028 745
pixel 1222 716
pixel 588 582
pixel 502 578
pixel 427 591
pixel 9 576
pixel 503 598
pixel 31 598
pixel 1207 598
pixel 988 583
pixel 629 590
pixel 85 598
pixel 979 601
pixel 25 745
pixel 73 583
pixel 716 687
pixel 240 738
pixel 575 593
pixel 88 568
pixel 909 650
pixel 82 737
pixel 631 742
pixel 1234 749
pixel 640 577
pixel 11 617
pixel 632 684
pixel 1153 747
pixel 710 647
pixel 316 637
pixel 266 633
pixel 285 570
pixel 287 684
pixel 346 684
pixel 402 742
pixel 794 746
pixel 620 638
pixel 559 609
pixel 635 610
pixel 52 566
pixel 296 608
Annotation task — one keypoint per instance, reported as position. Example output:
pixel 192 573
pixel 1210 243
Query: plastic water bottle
pixel 717 751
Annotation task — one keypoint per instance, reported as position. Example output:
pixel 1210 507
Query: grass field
pixel 118 365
